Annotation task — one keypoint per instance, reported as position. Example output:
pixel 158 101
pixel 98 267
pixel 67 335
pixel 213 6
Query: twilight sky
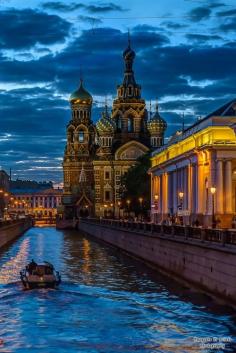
pixel 185 58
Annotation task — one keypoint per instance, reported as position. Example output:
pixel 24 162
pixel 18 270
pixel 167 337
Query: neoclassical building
pixel 194 176
pixel 97 155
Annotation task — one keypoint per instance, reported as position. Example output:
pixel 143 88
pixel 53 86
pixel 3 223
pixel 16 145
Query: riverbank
pixel 11 230
pixel 208 265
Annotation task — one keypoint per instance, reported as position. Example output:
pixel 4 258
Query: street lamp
pixel 181 196
pixel 119 204
pixel 213 191
pixel 141 206
pixel 128 203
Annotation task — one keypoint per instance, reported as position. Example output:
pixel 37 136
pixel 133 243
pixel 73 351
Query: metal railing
pixel 220 236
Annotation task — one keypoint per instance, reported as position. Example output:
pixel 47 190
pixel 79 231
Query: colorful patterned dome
pixel 81 96
pixel 156 124
pixel 105 124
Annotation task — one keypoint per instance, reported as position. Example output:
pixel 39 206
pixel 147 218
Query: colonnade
pixel 191 189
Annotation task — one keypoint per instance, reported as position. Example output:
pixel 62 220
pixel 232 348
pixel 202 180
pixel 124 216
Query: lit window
pixel 130 125
pixel 81 136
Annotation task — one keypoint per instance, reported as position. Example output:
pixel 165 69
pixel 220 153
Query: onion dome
pixel 156 124
pixel 128 53
pixel 81 96
pixel 105 125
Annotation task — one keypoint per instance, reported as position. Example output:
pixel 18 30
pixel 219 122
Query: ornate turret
pixel 156 127
pixel 129 88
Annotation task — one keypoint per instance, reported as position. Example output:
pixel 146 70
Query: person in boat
pixel 32 266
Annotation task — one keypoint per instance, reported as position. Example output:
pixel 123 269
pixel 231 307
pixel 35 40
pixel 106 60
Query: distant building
pixel 194 176
pixel 97 156
pixel 4 189
pixel 41 203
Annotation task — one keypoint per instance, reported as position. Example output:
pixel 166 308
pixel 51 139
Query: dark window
pixel 107 175
pixel 107 195
pixel 130 125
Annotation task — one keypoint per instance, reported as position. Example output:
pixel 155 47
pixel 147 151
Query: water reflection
pixel 107 302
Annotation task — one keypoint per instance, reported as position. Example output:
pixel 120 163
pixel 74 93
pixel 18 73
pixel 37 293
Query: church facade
pixel 98 155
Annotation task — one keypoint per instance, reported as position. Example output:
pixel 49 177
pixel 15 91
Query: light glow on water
pixel 107 303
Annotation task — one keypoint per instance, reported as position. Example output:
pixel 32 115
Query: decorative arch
pixel 131 112
pixel 70 133
pixel 132 150
pixel 82 133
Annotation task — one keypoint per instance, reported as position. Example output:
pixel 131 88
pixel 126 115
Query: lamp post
pixel 181 197
pixel 105 212
pixel 128 204
pixel 119 204
pixel 155 206
pixel 213 191
pixel 141 207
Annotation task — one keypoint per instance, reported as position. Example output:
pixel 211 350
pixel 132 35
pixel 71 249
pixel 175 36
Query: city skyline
pixel 185 59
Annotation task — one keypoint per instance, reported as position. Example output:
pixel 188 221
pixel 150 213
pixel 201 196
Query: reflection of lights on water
pixel 86 257
pixel 9 271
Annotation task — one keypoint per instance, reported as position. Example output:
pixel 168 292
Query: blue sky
pixel 185 58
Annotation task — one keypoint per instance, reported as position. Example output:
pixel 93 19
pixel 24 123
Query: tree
pixel 137 186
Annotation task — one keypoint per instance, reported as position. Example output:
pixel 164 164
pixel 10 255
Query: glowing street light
pixel 213 191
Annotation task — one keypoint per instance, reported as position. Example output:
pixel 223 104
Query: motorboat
pixel 40 276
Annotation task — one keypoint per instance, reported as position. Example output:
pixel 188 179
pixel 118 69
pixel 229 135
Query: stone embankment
pixel 10 230
pixel 205 258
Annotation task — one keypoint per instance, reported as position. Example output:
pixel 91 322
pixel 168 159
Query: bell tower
pixel 129 111
pixel 79 152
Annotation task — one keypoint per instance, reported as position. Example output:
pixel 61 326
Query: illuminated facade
pixel 97 155
pixel 194 175
pixel 39 203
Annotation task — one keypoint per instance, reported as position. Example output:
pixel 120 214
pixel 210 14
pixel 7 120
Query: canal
pixel 107 303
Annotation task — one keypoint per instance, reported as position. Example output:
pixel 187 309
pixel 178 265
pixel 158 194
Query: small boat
pixel 40 276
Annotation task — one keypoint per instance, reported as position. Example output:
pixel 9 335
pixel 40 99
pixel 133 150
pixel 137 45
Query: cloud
pixel 21 29
pixel 191 78
pixel 199 13
pixel 173 25
pixel 95 9
pixel 226 13
pixel 228 25
pixel 105 7
pixel 202 38
pixel 62 7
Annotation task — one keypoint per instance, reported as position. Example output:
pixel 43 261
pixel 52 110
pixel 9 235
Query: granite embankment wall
pixel 209 265
pixel 12 229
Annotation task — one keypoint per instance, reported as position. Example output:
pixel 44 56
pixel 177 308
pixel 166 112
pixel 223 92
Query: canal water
pixel 107 303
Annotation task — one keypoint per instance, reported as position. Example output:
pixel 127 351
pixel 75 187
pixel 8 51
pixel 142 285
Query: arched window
pixel 81 136
pixel 130 125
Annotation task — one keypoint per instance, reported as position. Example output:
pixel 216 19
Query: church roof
pixel 156 124
pixel 105 124
pixel 81 95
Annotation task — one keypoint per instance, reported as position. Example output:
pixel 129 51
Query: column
pixel 174 191
pixel 219 186
pixel 200 188
pixel 190 187
pixel 170 193
pixel 228 186
pixel 166 192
